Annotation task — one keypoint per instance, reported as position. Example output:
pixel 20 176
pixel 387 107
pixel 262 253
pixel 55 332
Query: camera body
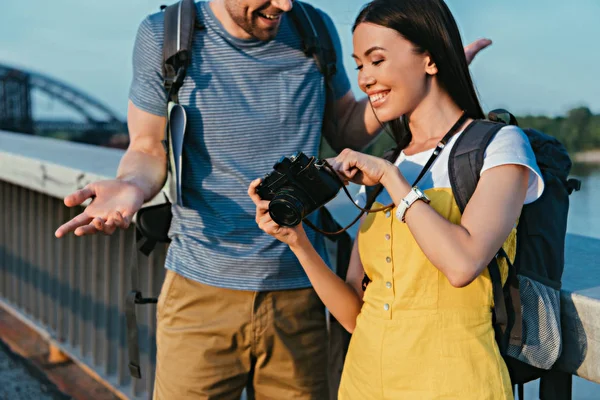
pixel 297 186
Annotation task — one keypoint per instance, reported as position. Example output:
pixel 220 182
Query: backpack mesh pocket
pixel 540 307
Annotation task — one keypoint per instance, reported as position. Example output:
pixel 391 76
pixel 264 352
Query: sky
pixel 544 59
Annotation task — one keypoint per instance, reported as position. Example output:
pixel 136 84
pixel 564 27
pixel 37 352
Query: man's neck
pixel 218 8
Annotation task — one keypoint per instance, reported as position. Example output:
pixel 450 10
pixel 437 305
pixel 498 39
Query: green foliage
pixel 578 131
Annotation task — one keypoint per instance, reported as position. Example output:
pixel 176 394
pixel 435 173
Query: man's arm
pixel 140 177
pixel 144 163
pixel 357 124
pixel 143 168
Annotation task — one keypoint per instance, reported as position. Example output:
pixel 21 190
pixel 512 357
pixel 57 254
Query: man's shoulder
pixel 155 21
pixel 324 16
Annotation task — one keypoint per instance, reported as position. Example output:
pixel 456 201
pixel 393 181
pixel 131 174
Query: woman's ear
pixel 430 66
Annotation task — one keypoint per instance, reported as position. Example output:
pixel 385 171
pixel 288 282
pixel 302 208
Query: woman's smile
pixel 379 97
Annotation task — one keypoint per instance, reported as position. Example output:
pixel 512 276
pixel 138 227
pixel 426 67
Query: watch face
pixel 421 194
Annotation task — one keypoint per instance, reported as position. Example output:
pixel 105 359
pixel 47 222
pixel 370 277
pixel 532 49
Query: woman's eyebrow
pixel 372 49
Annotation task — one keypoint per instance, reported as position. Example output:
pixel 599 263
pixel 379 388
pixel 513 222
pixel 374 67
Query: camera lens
pixel 286 210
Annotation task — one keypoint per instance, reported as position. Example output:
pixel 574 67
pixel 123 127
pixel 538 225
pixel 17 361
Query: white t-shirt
pixel 509 146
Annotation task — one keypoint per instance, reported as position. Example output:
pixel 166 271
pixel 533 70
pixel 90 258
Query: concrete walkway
pixel 18 383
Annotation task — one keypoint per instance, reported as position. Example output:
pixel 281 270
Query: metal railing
pixel 73 290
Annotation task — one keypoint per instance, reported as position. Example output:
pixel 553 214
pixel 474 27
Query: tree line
pixel 578 130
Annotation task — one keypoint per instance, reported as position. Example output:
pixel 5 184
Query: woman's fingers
pixel 272 228
pixel 252 191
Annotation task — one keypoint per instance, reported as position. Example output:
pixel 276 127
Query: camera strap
pixel 436 152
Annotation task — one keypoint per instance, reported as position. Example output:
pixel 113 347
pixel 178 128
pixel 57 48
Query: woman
pixel 423 327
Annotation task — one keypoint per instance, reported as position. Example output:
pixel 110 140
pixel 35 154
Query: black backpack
pixel 527 307
pixel 153 222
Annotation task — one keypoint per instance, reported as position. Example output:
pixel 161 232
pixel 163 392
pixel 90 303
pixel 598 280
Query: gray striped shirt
pixel 248 103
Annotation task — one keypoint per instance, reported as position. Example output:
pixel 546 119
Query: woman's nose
pixel 365 81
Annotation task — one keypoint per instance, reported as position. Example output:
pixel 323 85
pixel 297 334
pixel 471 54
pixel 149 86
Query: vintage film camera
pixel 298 186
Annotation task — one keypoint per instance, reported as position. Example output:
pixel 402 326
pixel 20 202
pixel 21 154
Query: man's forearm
pixel 145 170
pixel 357 125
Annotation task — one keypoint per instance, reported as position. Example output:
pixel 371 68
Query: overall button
pixel 388 214
pixel 386 307
pixel 388 259
pixel 387 237
pixel 388 285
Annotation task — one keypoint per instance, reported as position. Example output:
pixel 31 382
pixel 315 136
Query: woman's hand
pixel 361 168
pixel 291 236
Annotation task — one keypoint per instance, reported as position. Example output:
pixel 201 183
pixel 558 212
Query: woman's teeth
pixel 378 96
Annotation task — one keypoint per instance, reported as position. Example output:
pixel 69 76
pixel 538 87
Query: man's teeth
pixel 378 96
pixel 268 16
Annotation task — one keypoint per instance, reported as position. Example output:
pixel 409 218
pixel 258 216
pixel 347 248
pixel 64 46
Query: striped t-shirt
pixel 248 103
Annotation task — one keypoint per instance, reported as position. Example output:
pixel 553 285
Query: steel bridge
pixel 16 109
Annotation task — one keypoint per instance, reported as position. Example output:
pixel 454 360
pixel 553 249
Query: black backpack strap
pixel 317 43
pixel 464 166
pixel 316 38
pixel 145 246
pixel 180 24
pixel 466 159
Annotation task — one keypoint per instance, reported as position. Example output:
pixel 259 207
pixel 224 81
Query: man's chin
pixel 265 35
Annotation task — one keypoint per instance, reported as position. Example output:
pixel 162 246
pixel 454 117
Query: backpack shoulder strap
pixel 316 38
pixel 179 27
pixel 466 159
pixel 318 43
pixel 464 166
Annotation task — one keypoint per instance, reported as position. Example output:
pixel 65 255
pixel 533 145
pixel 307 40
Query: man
pixel 236 306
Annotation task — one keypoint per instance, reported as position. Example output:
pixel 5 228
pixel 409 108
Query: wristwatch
pixel 412 196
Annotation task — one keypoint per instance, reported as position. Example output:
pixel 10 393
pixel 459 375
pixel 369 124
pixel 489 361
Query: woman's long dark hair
pixel 430 27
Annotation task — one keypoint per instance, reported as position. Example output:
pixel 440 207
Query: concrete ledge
pixel 580 308
pixel 56 167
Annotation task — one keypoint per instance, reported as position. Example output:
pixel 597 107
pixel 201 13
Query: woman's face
pixel 390 71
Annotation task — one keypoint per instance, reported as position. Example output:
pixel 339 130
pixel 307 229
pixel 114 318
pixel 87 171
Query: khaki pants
pixel 213 342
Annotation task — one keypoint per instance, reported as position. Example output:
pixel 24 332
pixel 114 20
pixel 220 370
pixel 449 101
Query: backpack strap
pixel 180 24
pixel 317 43
pixel 144 246
pixel 466 159
pixel 464 167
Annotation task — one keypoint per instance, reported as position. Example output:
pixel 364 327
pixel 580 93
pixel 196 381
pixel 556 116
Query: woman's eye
pixel 358 67
pixel 377 62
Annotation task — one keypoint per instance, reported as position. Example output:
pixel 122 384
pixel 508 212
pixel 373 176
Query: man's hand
pixel 114 202
pixel 474 48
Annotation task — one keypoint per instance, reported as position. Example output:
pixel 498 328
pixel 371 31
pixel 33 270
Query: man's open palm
pixel 113 205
